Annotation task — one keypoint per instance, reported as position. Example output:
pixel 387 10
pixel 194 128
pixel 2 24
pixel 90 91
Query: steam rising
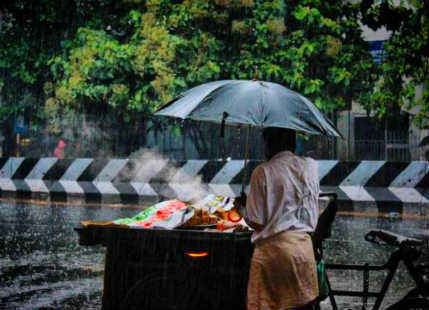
pixel 171 182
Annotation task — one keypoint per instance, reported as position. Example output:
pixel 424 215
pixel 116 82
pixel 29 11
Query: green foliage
pixel 172 46
pixel 31 33
pixel 127 58
pixel 406 67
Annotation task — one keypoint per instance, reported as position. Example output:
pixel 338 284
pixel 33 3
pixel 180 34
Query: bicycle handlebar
pixel 375 235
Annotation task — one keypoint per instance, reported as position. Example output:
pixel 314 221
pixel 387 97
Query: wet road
pixel 347 246
pixel 42 265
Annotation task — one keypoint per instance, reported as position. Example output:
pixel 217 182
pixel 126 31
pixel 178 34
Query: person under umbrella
pixel 282 208
pixel 251 103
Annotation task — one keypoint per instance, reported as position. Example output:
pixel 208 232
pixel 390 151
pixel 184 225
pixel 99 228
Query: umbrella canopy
pixel 255 103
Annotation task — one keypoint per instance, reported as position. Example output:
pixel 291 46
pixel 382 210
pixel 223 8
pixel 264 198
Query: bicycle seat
pixel 377 235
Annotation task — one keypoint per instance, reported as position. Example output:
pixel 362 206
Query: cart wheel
pixel 170 291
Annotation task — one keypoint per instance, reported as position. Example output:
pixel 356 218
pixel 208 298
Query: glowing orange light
pixel 197 254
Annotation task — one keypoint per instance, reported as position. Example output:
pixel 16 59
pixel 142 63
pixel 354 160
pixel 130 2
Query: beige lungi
pixel 282 273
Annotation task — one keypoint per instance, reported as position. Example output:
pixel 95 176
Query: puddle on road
pixel 42 266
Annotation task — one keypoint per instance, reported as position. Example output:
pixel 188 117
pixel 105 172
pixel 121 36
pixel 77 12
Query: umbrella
pixel 252 103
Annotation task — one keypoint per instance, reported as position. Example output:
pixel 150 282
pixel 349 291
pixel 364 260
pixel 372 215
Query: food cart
pixel 181 268
pixel 172 269
pixel 174 255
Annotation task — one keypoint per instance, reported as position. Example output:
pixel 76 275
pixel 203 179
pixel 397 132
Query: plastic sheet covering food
pixel 211 212
pixel 165 215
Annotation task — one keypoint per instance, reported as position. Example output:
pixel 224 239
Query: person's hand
pixel 240 201
pixel 240 204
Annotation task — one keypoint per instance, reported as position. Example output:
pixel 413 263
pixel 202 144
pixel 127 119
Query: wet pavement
pixel 42 265
pixel 347 246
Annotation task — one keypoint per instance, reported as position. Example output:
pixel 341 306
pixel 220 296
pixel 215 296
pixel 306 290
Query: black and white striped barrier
pixel 126 180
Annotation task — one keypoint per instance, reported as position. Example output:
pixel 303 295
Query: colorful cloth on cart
pixel 283 195
pixel 171 214
pixel 167 215
pixel 282 273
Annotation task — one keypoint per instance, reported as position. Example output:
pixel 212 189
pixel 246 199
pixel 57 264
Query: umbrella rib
pixel 207 95
pixel 170 102
pixel 321 115
pixel 182 95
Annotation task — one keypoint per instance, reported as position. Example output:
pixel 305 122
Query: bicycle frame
pixel 402 254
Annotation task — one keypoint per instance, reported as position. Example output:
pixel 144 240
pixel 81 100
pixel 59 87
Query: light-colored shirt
pixel 283 195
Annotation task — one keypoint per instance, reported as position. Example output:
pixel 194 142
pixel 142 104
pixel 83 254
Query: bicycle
pixel 408 251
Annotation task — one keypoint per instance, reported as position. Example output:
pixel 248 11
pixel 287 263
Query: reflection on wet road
pixel 42 265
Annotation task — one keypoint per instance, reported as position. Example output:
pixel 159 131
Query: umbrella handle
pixel 246 157
pixel 222 128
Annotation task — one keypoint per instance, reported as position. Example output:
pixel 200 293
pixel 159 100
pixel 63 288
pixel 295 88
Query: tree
pixel 406 66
pixel 312 46
pixel 31 33
pixel 124 59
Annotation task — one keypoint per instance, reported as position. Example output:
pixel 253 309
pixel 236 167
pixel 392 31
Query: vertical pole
pixel 385 141
pixel 18 141
pixel 348 135
pixel 246 157
pixel 184 139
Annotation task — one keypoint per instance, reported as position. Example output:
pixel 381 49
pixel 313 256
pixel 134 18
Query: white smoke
pixel 146 164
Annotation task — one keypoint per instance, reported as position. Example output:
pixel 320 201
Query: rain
pixel 132 132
